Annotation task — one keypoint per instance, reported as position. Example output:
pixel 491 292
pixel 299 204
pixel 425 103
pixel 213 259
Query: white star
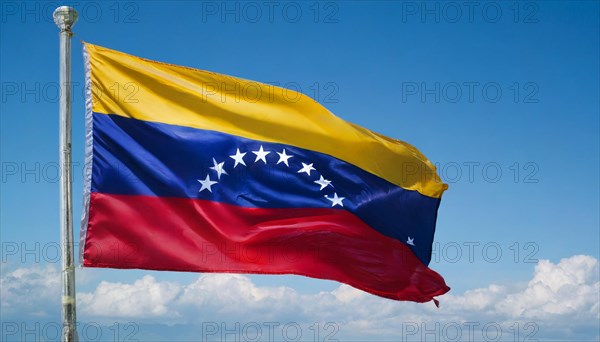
pixel 306 168
pixel 261 154
pixel 335 200
pixel 283 158
pixel 323 182
pixel 410 241
pixel 219 168
pixel 238 157
pixel 206 184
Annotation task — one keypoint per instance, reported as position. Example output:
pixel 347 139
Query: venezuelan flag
pixel 190 170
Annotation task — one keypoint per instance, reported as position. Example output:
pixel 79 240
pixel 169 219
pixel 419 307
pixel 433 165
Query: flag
pixel 190 170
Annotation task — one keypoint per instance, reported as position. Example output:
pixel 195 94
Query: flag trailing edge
pixel 190 170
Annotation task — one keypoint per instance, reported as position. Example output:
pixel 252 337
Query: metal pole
pixel 65 17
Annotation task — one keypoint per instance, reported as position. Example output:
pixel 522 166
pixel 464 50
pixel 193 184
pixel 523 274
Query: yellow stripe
pixel 153 91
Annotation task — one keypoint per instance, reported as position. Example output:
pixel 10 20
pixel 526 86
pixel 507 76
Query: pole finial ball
pixel 65 17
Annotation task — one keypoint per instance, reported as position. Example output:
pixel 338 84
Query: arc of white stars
pixel 283 158
pixel 206 184
pixel 335 200
pixel 238 157
pixel 306 168
pixel 323 182
pixel 410 241
pixel 261 154
pixel 218 167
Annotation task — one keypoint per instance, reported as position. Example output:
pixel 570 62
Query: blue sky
pixel 502 96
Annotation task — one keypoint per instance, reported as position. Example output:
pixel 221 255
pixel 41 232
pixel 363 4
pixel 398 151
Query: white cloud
pixel 570 287
pixel 561 300
pixel 24 289
pixel 144 298
pixel 231 295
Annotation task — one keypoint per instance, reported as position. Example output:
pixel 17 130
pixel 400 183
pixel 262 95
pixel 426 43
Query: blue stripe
pixel 135 157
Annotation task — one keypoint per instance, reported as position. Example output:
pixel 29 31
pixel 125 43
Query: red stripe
pixel 181 234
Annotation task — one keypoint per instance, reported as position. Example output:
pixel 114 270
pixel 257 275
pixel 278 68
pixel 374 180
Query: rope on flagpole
pixel 65 17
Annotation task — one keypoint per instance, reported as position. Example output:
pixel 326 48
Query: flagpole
pixel 65 17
